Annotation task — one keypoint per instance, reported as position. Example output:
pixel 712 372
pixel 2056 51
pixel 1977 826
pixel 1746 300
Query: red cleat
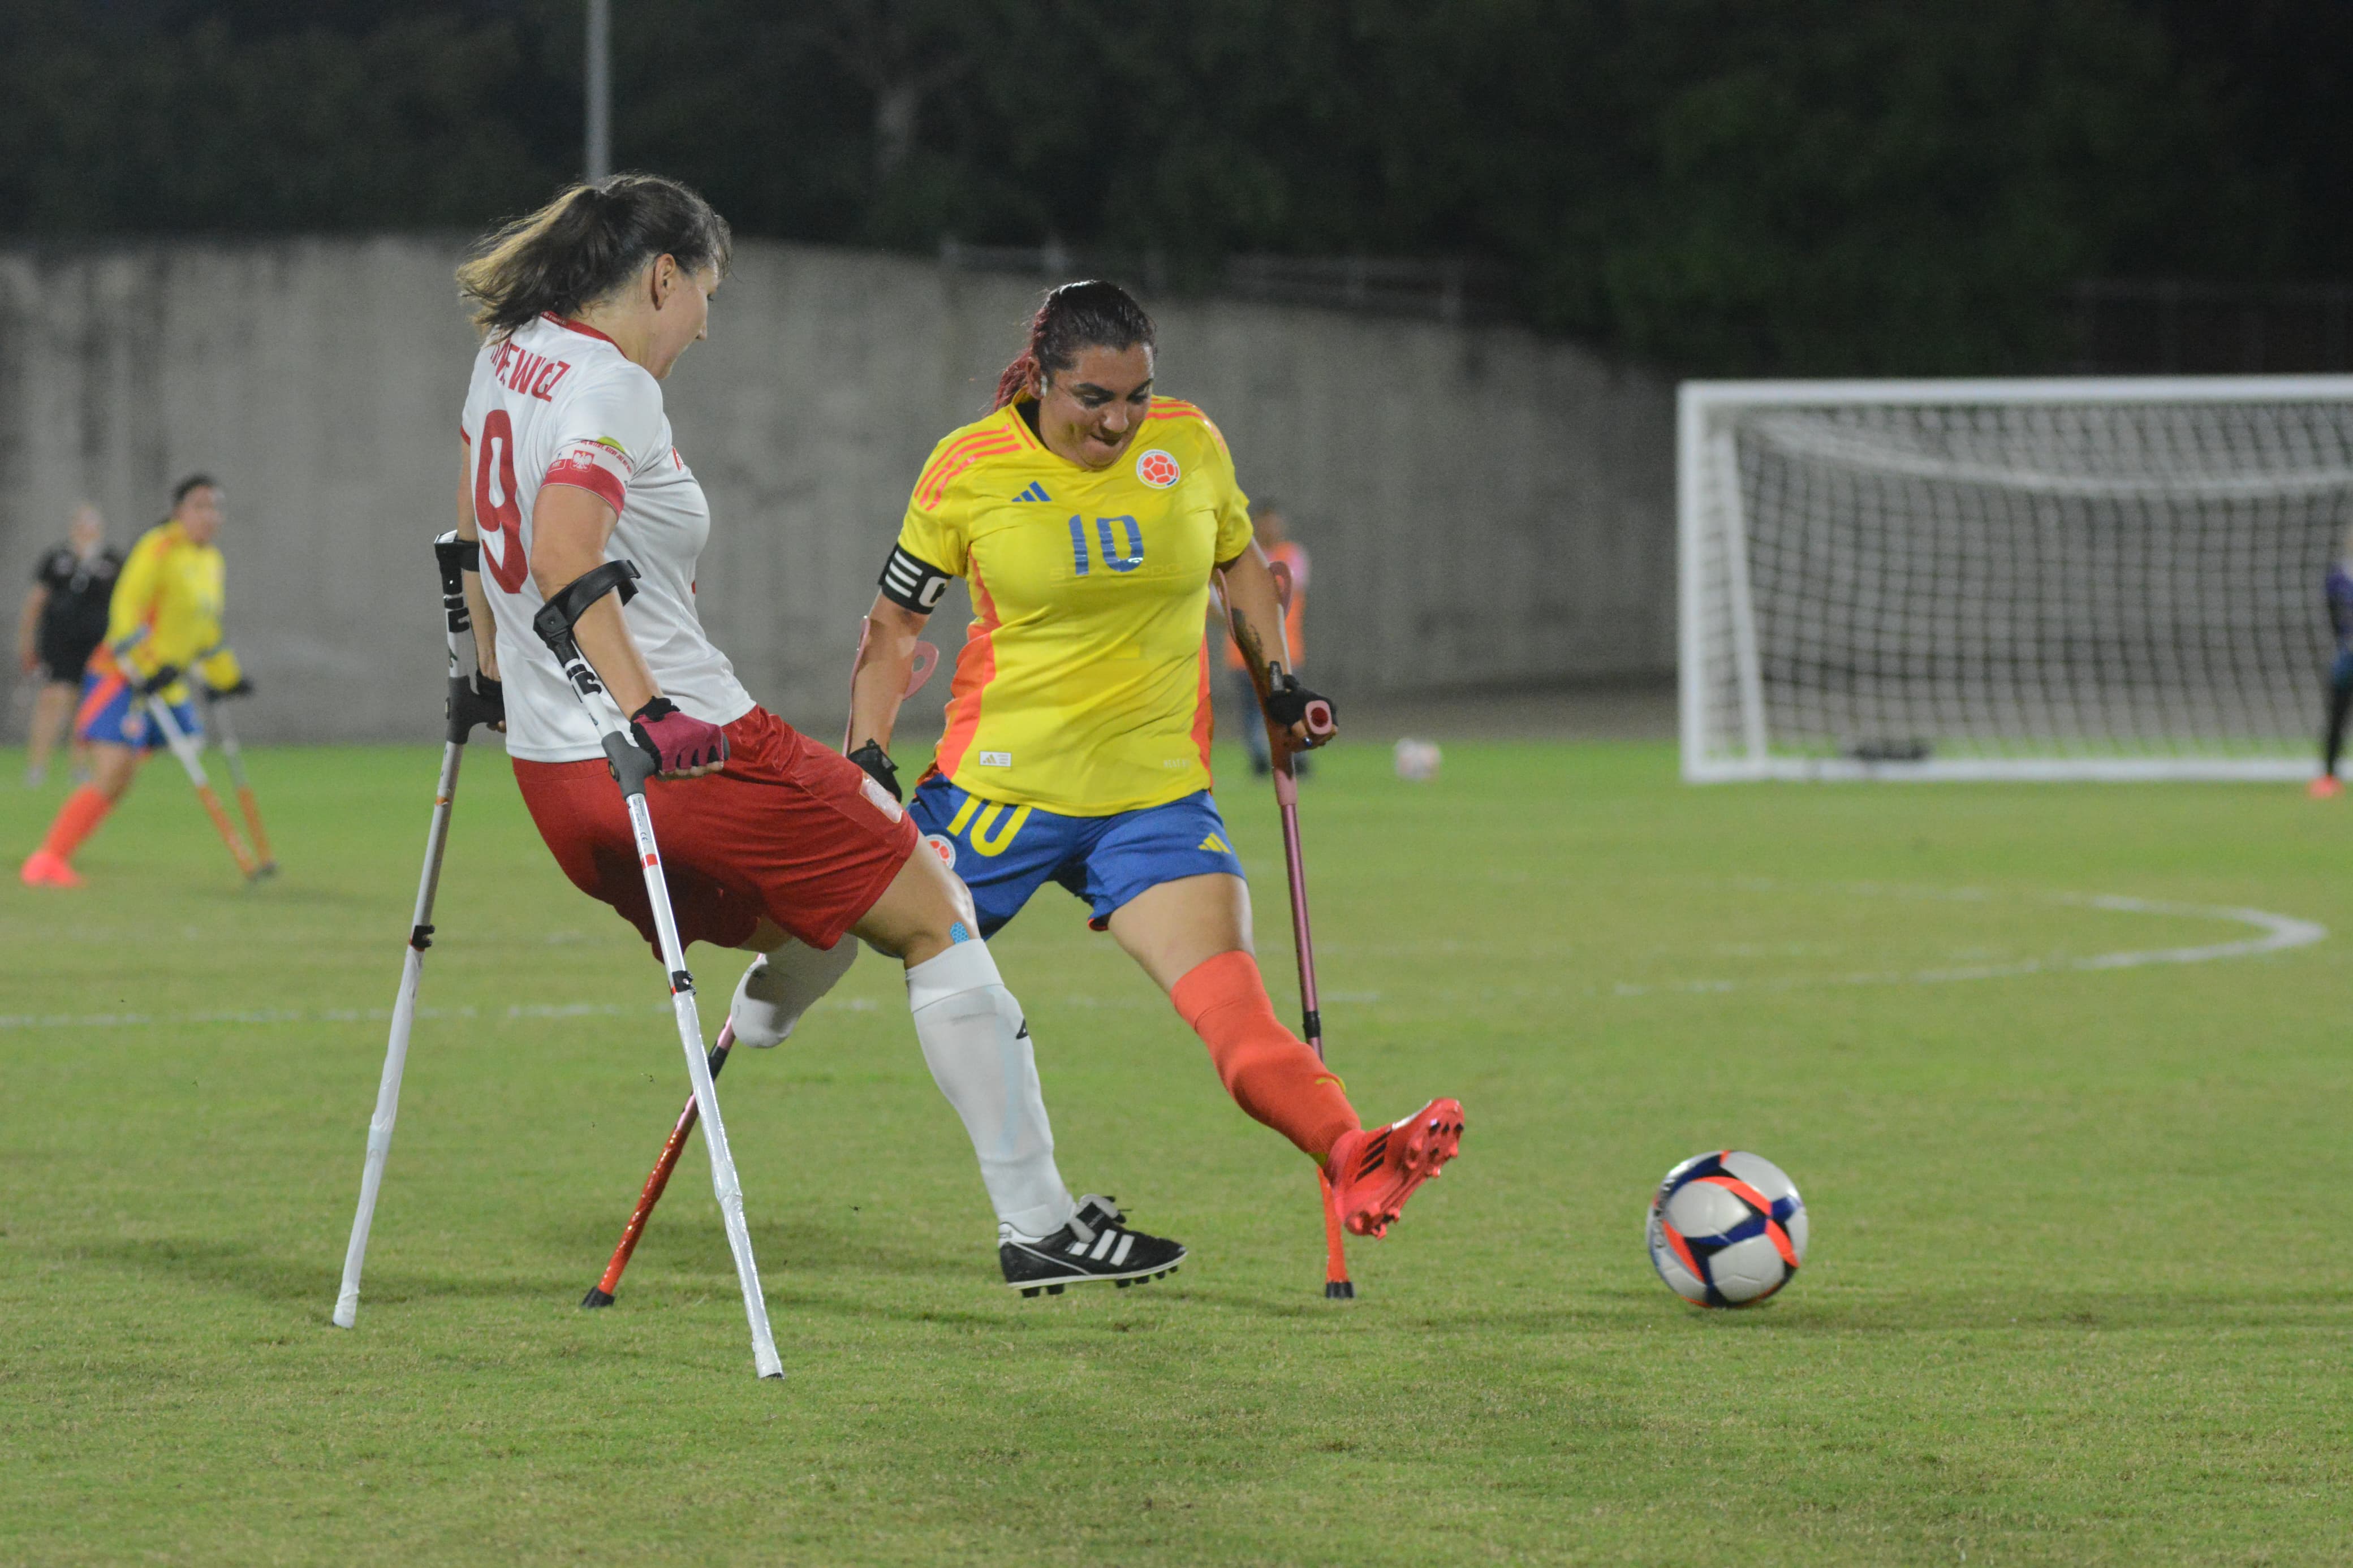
pixel 2327 786
pixel 43 869
pixel 1375 1169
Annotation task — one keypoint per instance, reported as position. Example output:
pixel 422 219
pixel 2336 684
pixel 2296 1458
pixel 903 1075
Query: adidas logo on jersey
pixel 1034 492
pixel 1214 843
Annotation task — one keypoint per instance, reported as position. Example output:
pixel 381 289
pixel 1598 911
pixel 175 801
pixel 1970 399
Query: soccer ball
pixel 1417 761
pixel 1726 1229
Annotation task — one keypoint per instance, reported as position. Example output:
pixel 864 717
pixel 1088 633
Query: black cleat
pixel 1097 1244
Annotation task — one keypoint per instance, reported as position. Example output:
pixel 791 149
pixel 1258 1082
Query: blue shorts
pixel 1005 853
pixel 2337 587
pixel 109 716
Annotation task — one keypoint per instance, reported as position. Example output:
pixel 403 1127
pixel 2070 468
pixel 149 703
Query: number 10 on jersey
pixel 1110 556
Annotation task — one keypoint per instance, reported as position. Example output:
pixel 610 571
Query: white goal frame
pixel 1710 521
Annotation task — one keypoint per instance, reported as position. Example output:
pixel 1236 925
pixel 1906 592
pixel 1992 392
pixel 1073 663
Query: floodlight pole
pixel 600 89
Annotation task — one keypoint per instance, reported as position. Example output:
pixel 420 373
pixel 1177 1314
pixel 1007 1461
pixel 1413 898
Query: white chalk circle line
pixel 2276 934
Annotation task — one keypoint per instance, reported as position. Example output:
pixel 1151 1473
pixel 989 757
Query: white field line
pixel 362 1014
pixel 2278 934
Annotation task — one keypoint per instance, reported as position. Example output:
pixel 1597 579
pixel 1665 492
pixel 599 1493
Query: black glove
pixel 164 677
pixel 878 767
pixel 243 688
pixel 1289 703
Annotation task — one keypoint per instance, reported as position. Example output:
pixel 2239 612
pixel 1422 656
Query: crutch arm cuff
pixel 568 604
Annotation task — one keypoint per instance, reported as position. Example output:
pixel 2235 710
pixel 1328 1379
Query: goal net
pixel 2023 579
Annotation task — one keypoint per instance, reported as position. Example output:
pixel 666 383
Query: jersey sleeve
pixel 606 433
pixel 134 594
pixel 220 668
pixel 931 550
pixel 55 570
pixel 1234 530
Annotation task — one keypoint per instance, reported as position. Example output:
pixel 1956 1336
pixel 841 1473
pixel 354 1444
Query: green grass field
pixel 2077 1291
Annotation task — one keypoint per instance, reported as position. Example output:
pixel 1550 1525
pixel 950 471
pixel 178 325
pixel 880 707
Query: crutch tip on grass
pixel 481 705
pixel 597 1297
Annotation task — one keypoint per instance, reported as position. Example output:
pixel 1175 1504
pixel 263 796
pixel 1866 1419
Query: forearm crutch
pixel 186 747
pixel 472 700
pixel 216 720
pixel 631 768
pixel 600 1294
pixel 1336 1283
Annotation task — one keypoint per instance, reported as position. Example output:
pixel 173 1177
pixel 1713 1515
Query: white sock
pixel 978 1050
pixel 780 986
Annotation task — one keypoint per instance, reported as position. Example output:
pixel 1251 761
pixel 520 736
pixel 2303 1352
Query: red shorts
pixel 789 830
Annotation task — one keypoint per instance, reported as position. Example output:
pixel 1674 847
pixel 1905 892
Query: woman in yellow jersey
pixel 164 619
pixel 1087 516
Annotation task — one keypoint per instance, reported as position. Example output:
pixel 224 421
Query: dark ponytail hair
pixel 588 242
pixel 1091 315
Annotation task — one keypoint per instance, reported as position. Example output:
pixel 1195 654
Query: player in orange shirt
pixel 1087 517
pixel 1273 537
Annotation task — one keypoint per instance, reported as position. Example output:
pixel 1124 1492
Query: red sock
pixel 1269 1071
pixel 76 820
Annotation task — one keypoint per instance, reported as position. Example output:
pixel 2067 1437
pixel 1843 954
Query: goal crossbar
pixel 2102 579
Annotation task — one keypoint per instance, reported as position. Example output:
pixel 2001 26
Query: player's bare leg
pixel 1193 937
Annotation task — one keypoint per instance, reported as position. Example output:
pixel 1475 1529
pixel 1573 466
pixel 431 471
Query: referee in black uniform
pixel 63 622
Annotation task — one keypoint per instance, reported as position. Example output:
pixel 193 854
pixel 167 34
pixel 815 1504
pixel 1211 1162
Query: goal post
pixel 2097 579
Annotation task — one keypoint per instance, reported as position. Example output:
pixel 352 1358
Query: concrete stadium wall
pixel 1486 508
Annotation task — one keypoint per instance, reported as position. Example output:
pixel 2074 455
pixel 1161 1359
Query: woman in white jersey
pixel 769 843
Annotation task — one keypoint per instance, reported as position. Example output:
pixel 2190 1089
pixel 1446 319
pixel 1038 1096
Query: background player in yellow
pixel 1088 516
pixel 163 620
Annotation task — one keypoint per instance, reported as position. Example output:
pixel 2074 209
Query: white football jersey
pixel 559 404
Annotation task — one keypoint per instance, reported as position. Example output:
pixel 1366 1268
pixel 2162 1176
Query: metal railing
pixel 1442 288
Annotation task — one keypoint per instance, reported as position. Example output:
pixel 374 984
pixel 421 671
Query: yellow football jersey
pixel 166 609
pixel 1083 686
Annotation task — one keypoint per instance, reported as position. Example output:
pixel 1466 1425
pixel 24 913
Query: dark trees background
pixel 1727 185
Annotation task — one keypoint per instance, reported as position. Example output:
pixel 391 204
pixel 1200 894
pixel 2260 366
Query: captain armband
pixel 913 584
pixel 600 466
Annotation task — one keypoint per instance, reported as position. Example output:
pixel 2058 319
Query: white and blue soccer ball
pixel 1728 1229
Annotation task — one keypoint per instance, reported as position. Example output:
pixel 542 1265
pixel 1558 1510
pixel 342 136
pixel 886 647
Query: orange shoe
pixel 43 869
pixel 1375 1169
pixel 2327 786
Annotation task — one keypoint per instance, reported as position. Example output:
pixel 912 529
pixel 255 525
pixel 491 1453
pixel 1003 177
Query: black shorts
pixel 62 658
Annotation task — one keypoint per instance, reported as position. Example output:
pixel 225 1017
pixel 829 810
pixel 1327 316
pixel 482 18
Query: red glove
pixel 677 743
